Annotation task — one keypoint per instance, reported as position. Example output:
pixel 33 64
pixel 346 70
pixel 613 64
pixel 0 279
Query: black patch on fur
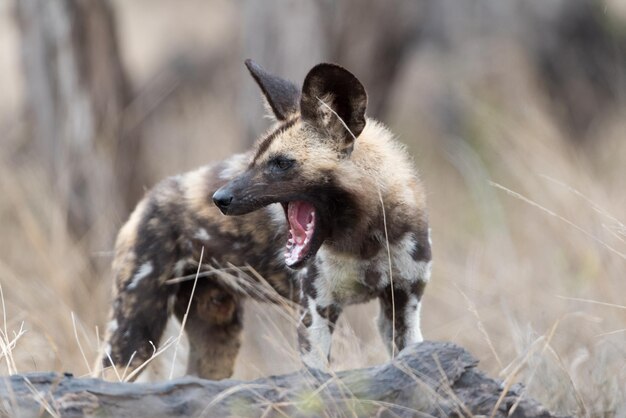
pixel 282 95
pixel 267 141
pixel 159 229
pixel 339 212
pixel 369 248
pixel 421 251
pixel 400 299
pixel 417 288
pixel 349 100
pixel 308 282
pixel 330 313
pixel 372 277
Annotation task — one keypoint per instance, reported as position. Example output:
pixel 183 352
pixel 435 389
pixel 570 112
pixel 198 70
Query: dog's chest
pixel 343 279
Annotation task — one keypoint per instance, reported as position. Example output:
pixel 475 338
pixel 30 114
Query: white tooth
pixel 291 241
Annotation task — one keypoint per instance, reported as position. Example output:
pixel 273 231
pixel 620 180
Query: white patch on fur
pixel 338 275
pixel 142 273
pixel 424 270
pixel 202 235
pixel 112 326
pixel 412 318
pixel 301 274
pixel 405 265
pixel 179 267
pixel 320 339
pixel 107 350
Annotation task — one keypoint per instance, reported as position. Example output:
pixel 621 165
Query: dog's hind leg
pixel 213 326
pixel 145 255
pixel 138 318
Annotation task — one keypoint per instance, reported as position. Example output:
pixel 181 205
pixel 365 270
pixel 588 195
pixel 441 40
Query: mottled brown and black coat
pixel 368 235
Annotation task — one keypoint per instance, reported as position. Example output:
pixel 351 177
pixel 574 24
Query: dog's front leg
pixel 315 330
pixel 399 317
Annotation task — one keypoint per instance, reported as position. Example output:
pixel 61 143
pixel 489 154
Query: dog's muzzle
pixel 222 198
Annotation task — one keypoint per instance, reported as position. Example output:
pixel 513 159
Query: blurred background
pixel 515 113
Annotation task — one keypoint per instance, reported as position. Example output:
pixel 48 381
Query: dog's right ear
pixel 282 95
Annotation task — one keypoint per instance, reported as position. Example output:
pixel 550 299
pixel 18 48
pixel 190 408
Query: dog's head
pixel 297 164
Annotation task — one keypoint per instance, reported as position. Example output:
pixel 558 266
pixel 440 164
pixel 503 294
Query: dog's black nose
pixel 222 199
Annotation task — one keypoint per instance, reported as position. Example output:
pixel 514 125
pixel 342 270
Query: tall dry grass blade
pixel 617 331
pixel 421 382
pixel 595 302
pixel 184 321
pixel 155 353
pixel 393 302
pixel 561 218
pixel 41 400
pixel 447 388
pixel 117 374
pixel 7 344
pixel 207 271
pixel 481 326
pixel 393 299
pixel 98 370
pixel 80 347
pixel 130 360
pixel 591 203
pixel 6 352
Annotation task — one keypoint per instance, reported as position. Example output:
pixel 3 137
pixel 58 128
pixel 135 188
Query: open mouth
pixel 302 226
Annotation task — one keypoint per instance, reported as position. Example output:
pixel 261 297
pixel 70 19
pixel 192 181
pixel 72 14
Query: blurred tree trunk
pixel 76 93
pixel 371 38
pixel 287 38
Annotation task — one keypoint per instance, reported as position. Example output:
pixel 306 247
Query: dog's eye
pixel 281 163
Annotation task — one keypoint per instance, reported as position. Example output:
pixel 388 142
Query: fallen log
pixel 428 379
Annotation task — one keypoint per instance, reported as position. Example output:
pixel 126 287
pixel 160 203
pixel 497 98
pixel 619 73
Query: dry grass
pixel 529 243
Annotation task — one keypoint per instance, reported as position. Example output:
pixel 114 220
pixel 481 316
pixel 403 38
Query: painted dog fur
pixel 327 207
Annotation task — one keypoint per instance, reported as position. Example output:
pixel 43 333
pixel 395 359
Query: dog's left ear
pixel 282 95
pixel 334 100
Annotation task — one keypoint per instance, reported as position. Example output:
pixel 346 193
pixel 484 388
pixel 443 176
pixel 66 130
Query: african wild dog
pixel 330 211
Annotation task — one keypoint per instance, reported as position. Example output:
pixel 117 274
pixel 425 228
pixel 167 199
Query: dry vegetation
pixel 529 229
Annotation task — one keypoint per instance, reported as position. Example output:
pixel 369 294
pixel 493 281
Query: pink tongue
pixel 299 214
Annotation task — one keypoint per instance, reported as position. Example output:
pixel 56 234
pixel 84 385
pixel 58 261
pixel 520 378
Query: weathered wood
pixel 428 379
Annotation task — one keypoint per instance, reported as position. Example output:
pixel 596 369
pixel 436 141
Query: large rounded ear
pixel 282 95
pixel 334 100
